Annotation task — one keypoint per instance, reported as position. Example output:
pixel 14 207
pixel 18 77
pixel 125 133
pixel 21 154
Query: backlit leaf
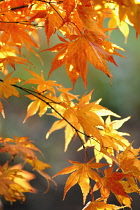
pixel 99 205
pixel 6 88
pixel 81 174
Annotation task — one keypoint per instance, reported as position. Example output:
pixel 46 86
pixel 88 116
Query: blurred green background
pixel 122 97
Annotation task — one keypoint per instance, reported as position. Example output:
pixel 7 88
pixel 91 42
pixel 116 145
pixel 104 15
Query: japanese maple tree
pixel 82 39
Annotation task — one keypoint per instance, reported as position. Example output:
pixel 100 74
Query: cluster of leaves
pixel 13 180
pixel 80 25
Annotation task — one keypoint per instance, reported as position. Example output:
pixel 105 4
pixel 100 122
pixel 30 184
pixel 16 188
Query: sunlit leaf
pixel 81 174
pixel 6 86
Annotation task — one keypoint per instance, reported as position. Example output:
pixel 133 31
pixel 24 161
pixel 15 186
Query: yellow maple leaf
pixel 38 164
pixel 100 205
pixel 36 105
pixel 44 94
pixel 77 118
pixel 81 172
pixel 113 138
pixel 129 163
pixel 110 139
pixel 9 55
pixel 131 154
pixel 98 150
pixel 43 85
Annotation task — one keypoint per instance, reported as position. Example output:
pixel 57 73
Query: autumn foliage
pixel 82 39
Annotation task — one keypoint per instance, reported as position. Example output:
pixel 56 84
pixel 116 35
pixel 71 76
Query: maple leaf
pixel 75 54
pixel 88 16
pixel 8 55
pixel 14 182
pixel 43 85
pixel 23 30
pixel 38 164
pixel 103 111
pixel 25 149
pixel 108 134
pixel 69 130
pixel 81 172
pixel 131 156
pixel 129 163
pixel 23 177
pixel 77 117
pixel 123 200
pixel 131 10
pixel 69 6
pixel 100 205
pixel 115 22
pixel 34 106
pixel 111 183
pixel 19 146
pixel 11 60
pixel 130 185
pixel 42 96
pixel 111 137
pixel 125 13
pixel 98 151
pixel 6 88
pixel 52 21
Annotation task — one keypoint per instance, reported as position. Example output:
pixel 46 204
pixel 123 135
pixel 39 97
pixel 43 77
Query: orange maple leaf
pixel 52 21
pixel 22 30
pixel 22 147
pixel 6 88
pixel 69 6
pixel 129 163
pixel 75 54
pixel 43 85
pixel 111 183
pixel 131 156
pixel 81 174
pixel 89 19
pixel 19 146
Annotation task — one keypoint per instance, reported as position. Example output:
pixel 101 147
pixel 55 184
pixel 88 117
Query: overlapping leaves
pixel 82 40
pixel 84 119
pixel 14 182
pixel 81 172
pixel 25 149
